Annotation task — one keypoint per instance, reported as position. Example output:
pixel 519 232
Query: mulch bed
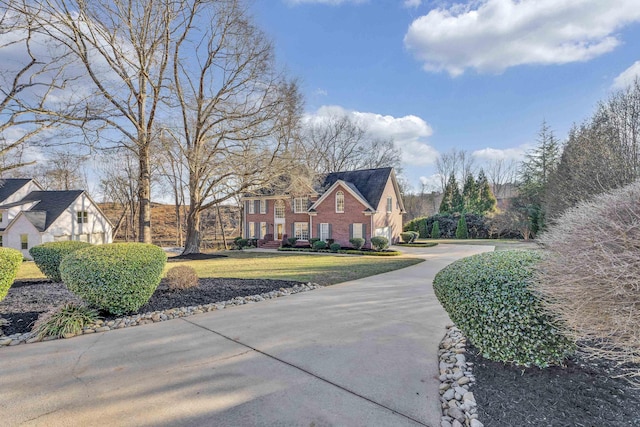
pixel 26 300
pixel 581 394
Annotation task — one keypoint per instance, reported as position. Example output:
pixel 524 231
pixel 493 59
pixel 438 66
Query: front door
pixel 279 229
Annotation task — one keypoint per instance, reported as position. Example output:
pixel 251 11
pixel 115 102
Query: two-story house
pixel 362 203
pixel 30 216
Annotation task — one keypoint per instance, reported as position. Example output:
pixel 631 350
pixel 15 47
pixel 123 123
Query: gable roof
pixel 369 183
pixel 10 185
pixel 50 205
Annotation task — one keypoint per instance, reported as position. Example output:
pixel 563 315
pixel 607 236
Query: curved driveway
pixel 361 353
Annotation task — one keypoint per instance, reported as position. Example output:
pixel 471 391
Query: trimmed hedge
pixel 10 260
pixel 477 226
pixel 48 256
pixel 488 297
pixel 379 243
pixel 118 277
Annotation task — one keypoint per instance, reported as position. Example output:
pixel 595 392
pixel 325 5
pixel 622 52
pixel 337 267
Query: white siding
pixel 67 224
pixel 11 237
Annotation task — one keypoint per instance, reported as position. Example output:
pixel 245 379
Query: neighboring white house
pixel 30 216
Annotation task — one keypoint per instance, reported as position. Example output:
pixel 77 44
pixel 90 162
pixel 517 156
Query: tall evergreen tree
pixel 487 200
pixel 471 195
pixel 452 201
pixel 535 172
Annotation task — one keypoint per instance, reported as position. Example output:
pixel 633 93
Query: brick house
pixel 362 203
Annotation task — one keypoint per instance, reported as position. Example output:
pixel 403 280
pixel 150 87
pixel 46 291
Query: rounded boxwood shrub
pixel 118 278
pixel 48 256
pixel 10 260
pixel 320 244
pixel 335 247
pixel 357 242
pixel 379 243
pixel 406 237
pixel 488 296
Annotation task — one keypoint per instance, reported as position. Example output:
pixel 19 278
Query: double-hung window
pixel 263 206
pixel 300 204
pixel 301 230
pixel 83 217
pixel 389 204
pixel 252 230
pixel 324 231
pixel 24 241
pixel 252 207
pixel 263 229
pixel 357 231
pixel 279 209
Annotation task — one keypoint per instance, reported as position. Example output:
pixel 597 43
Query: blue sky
pixel 435 75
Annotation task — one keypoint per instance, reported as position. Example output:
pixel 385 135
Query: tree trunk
pixel 144 195
pixel 193 239
pixel 224 238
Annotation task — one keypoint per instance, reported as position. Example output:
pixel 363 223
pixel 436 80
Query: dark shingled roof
pixel 10 186
pixel 51 204
pixel 369 183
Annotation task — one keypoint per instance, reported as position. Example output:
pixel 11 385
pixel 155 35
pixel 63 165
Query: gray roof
pixel 10 186
pixel 51 204
pixel 369 183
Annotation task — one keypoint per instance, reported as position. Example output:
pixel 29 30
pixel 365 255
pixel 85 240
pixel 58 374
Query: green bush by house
pixel 320 244
pixel 488 297
pixel 48 256
pixel 118 278
pixel 10 260
pixel 335 247
pixel 357 242
pixel 379 243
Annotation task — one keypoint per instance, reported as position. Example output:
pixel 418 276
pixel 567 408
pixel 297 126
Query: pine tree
pixel 435 230
pixel 452 201
pixel 471 195
pixel 487 201
pixel 462 232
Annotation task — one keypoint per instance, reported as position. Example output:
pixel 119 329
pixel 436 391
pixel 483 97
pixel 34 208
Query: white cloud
pixel 627 77
pixel 508 154
pixel 320 92
pixel 492 35
pixel 412 3
pixel 431 182
pixel 409 132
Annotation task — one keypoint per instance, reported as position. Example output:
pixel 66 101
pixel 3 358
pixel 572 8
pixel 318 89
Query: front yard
pixel 321 269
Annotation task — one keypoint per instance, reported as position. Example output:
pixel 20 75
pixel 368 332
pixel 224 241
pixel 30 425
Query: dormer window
pixel 83 217
pixel 339 202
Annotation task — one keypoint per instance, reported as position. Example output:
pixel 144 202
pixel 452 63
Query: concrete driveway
pixel 362 353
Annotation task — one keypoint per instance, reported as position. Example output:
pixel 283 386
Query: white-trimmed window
pixel 263 229
pixel 24 241
pixel 301 230
pixel 339 202
pixel 389 204
pixel 252 230
pixel 279 209
pixel 83 217
pixel 252 207
pixel 263 206
pixel 357 231
pixel 300 204
pixel 324 231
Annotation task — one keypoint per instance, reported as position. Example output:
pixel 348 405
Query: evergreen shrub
pixel 48 256
pixel 357 242
pixel 118 278
pixel 379 243
pixel 489 297
pixel 10 260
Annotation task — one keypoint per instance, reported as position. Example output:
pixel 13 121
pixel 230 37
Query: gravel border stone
pixel 160 316
pixel 458 404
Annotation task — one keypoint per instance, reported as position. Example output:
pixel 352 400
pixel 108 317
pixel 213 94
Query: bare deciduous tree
pixel 460 163
pixel 237 112
pixel 338 142
pixel 501 174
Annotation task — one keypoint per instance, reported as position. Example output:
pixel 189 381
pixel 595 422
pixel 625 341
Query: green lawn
pixel 322 269
pixel 500 244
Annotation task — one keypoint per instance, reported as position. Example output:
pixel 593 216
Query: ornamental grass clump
pixel 68 320
pixel 118 278
pixel 10 260
pixel 182 277
pixel 489 297
pixel 48 256
pixel 591 276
